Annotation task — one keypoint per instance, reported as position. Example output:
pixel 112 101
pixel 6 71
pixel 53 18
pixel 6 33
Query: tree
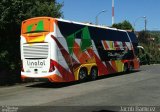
pixel 149 40
pixel 125 25
pixel 12 13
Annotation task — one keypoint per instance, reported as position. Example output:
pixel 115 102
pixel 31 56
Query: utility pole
pixel 145 21
pixel 112 12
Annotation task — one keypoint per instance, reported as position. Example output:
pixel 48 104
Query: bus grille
pixel 35 51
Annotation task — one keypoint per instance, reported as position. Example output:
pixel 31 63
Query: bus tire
pixel 94 73
pixel 125 68
pixel 82 74
pixel 131 67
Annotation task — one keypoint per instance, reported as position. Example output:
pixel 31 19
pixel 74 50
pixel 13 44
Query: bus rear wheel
pixel 94 73
pixel 131 68
pixel 125 68
pixel 82 74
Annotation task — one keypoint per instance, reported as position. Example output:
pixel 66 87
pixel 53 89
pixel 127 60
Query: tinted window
pixel 133 37
pixel 107 34
pixel 97 34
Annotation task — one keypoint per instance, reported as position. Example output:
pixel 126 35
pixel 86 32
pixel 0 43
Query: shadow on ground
pixel 68 109
pixel 66 84
pixel 104 111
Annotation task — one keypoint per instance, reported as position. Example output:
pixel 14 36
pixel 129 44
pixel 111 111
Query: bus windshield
pixel 36 25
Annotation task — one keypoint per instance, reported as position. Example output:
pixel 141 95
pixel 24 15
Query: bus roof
pixel 88 24
pixel 80 23
pixel 38 18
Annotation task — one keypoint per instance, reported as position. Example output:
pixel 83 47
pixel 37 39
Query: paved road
pixel 140 88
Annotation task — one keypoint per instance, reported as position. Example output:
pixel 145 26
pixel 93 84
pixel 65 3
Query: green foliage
pixel 125 25
pixel 12 13
pixel 144 37
pixel 156 35
pixel 150 42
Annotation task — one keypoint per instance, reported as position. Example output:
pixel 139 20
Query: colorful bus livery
pixel 64 51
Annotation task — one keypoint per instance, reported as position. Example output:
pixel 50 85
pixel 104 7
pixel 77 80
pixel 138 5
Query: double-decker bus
pixel 59 50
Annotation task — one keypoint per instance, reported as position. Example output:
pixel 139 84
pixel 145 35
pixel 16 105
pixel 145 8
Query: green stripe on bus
pixel 40 26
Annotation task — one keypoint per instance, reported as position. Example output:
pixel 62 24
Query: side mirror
pixel 141 48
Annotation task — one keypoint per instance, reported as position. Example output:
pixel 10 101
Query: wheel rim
pixel 131 67
pixel 125 67
pixel 94 74
pixel 82 74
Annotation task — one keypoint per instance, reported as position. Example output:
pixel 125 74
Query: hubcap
pixel 94 74
pixel 125 68
pixel 82 74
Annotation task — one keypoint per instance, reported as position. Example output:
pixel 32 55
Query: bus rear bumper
pixel 51 78
pixel 31 79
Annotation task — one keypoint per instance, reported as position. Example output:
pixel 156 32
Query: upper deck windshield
pixel 35 25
